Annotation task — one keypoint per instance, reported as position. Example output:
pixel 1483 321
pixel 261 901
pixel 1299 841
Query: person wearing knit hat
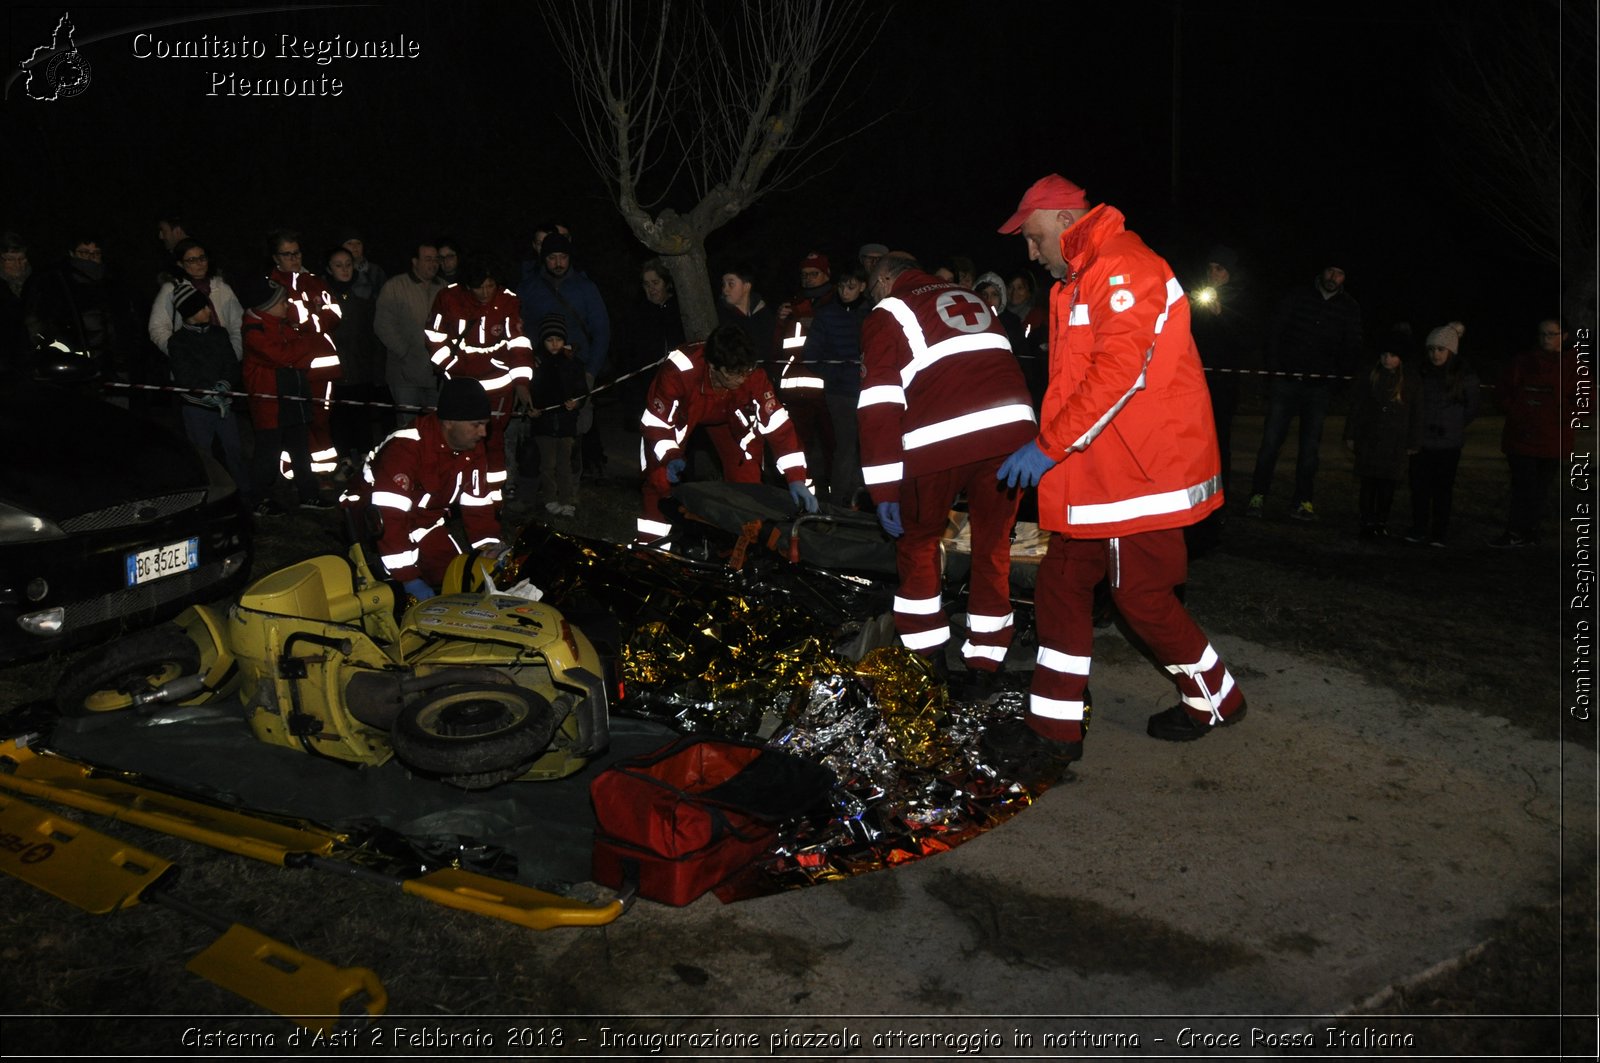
pixel 560 391
pixel 558 288
pixel 462 399
pixel 1448 397
pixel 417 475
pixel 1382 430
pixel 258 292
pixel 1447 337
pixel 192 266
pixel 202 361
pixel 553 325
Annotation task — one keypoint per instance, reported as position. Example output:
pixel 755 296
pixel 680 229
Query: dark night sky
pixel 1306 133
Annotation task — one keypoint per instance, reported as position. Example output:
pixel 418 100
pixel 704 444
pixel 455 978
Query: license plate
pixel 147 565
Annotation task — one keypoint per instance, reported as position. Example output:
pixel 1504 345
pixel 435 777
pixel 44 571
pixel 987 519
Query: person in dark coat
pixel 559 390
pixel 1315 341
pixel 360 420
pixel 1383 430
pixel 743 306
pixel 1536 391
pixel 655 327
pixel 202 360
pixel 16 346
pixel 1450 399
pixel 78 303
pixel 833 347
pixel 1223 318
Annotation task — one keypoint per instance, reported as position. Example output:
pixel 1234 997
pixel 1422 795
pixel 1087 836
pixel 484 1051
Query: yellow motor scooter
pixel 474 687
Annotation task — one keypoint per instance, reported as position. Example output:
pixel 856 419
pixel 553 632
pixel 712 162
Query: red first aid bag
pixel 688 816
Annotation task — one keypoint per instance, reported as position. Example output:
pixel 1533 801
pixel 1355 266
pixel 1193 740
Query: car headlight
pixel 219 484
pixel 20 526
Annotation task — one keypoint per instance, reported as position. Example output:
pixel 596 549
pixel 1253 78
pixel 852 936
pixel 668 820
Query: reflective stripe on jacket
pixel 940 387
pixel 681 399
pixel 482 341
pixel 1127 413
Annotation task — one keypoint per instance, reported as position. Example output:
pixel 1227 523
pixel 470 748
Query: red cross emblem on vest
pixel 963 311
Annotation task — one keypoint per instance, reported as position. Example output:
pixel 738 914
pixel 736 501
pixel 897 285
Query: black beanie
pixel 555 243
pixel 256 292
pixel 552 325
pixel 463 399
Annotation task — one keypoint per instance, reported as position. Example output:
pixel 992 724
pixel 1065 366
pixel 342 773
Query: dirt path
pixel 1334 843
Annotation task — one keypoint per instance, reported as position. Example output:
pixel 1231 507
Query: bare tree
pixel 1517 83
pixel 719 102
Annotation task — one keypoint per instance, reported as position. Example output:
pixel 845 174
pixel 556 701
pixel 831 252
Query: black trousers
pixel 1433 484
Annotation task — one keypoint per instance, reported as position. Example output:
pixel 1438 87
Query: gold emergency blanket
pixel 758 653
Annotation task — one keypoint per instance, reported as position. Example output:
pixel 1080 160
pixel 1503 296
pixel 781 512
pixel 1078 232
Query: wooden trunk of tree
pixel 697 299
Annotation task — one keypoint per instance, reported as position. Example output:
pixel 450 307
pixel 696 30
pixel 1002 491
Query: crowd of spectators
pixel 378 362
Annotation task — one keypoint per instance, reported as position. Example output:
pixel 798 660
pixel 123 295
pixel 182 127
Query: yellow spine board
pixel 65 859
pixel 101 874
pixel 280 978
pixel 68 782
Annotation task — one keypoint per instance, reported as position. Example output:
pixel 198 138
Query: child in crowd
pixel 1383 429
pixel 202 358
pixel 559 391
pixel 1449 401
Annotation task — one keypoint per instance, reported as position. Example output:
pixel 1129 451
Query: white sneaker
pixel 569 511
pixel 553 508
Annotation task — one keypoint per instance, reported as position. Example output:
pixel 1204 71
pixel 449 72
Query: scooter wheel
pixel 108 679
pixel 473 729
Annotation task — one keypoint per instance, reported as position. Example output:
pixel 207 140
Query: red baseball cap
pixel 816 260
pixel 1047 193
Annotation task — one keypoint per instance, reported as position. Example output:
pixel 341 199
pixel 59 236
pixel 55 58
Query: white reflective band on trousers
pixel 917 641
pixel 1210 700
pixel 1055 708
pixel 970 649
pixel 917 606
pixel 988 625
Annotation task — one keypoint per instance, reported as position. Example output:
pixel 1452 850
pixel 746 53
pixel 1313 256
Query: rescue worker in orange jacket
pixel 475 332
pixel 418 473
pixel 942 404
pixel 1125 459
pixel 718 386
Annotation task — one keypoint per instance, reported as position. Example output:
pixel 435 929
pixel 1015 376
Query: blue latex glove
pixel 675 469
pixel 419 589
pixel 889 517
pixel 803 498
pixel 1026 467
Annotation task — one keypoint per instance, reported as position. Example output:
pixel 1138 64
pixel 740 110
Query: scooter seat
pixel 320 588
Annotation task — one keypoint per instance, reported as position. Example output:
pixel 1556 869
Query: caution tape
pixel 326 401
